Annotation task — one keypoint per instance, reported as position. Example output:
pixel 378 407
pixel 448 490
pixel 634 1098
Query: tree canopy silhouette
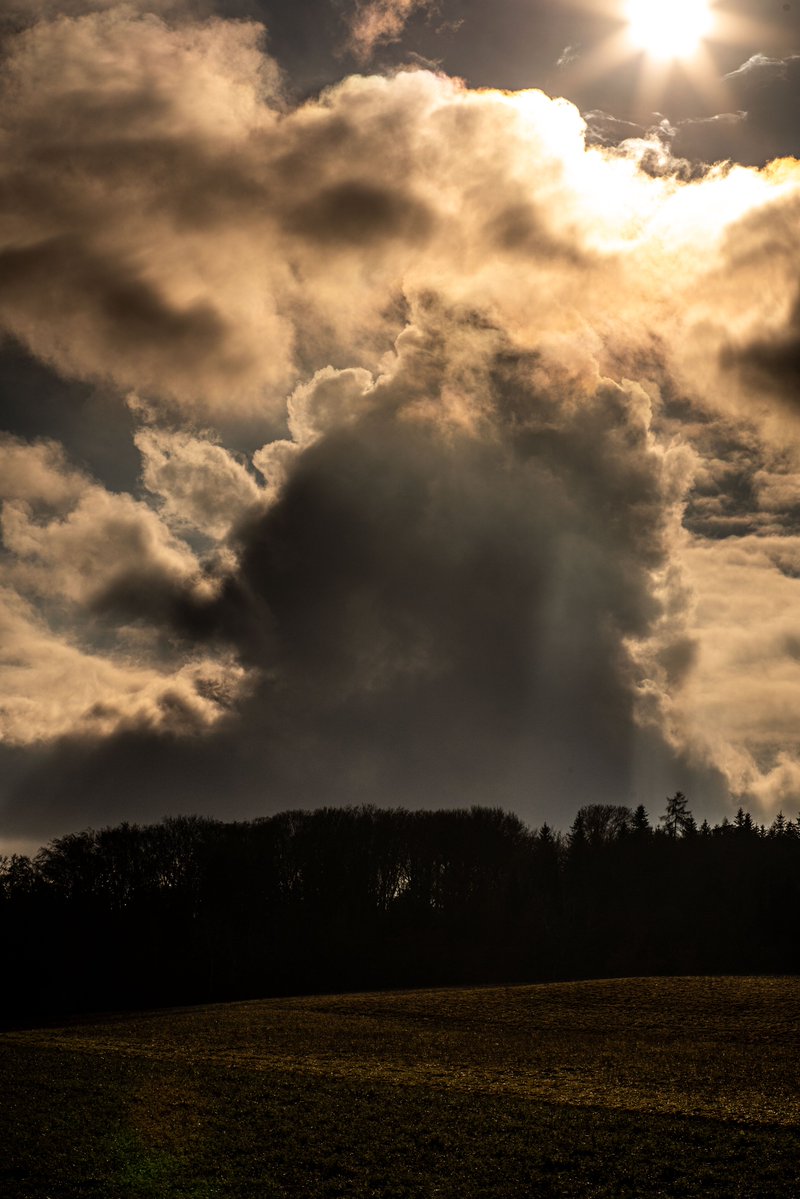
pixel 194 909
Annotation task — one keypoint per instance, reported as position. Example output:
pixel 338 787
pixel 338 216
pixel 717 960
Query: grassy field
pixel 643 1087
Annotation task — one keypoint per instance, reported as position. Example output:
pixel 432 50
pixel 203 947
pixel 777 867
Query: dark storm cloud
pixel 436 616
pixel 125 312
pixel 360 213
pixel 772 362
pixel 762 358
pixel 518 229
pixel 78 782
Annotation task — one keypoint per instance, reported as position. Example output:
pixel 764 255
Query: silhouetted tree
pixel 193 909
pixel 677 819
pixel 744 823
pixel 778 826
pixel 606 822
pixel 640 822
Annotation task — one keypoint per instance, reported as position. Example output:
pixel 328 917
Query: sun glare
pixel 669 28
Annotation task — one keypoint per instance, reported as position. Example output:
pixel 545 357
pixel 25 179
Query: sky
pixel 399 404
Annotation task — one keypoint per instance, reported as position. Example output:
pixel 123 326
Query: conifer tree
pixel 677 819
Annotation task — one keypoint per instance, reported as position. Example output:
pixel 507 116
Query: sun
pixel 655 43
pixel 669 29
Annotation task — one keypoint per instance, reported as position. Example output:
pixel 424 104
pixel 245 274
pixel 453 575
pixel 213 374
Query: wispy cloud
pixel 375 23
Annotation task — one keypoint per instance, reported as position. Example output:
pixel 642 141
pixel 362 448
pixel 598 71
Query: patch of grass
pixel 648 1087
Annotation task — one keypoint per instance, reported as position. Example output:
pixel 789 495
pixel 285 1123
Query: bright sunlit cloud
pixel 669 30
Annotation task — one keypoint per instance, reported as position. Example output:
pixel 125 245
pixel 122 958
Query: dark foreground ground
pixel 643 1087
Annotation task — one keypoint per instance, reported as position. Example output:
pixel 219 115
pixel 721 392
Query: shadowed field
pixel 640 1087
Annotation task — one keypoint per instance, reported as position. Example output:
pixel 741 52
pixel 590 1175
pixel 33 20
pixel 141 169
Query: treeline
pixel 193 909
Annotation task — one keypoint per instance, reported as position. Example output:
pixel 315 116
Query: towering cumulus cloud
pixel 468 454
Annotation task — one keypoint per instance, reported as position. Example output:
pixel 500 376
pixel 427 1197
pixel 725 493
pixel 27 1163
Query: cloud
pixel 104 268
pixel 445 570
pixel 518 404
pixel 759 71
pixel 771 361
pixel 376 23
pixel 87 554
pixel 740 704
pixel 38 474
pixel 777 490
pixel 183 235
pixel 53 688
pixel 604 129
pixel 71 551
pixel 757 126
pixel 764 94
pixel 331 399
pixel 201 485
pixel 29 12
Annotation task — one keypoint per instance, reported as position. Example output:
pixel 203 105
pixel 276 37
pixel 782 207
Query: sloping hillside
pixel 617 1088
